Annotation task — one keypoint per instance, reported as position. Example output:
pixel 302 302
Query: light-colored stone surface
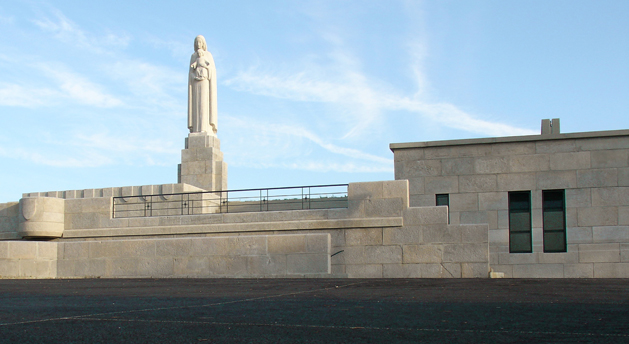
pixel 401 270
pixel 425 215
pixel 477 183
pixel 423 254
pixel 597 178
pixel 610 196
pixel 538 271
pixel 464 202
pixel 41 217
pixel 598 216
pixel 578 270
pixel 516 181
pixel 231 256
pixel 364 271
pixel 609 158
pixel 556 180
pixel 610 234
pixel 402 235
pixel 474 270
pixel 363 237
pixel 447 184
pixel 599 253
pixel 611 270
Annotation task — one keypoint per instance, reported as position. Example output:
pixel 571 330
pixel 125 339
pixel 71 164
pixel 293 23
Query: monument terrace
pixel 549 205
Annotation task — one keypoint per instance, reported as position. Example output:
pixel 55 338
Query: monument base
pixel 202 163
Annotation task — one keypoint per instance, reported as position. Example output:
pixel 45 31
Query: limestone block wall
pixel 377 235
pixel 426 246
pixel 297 255
pixel 28 259
pixel 9 220
pixel 592 168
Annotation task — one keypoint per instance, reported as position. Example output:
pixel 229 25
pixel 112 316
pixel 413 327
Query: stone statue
pixel 202 90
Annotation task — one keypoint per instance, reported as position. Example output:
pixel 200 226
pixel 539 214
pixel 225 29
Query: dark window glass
pixel 443 199
pixel 520 237
pixel 554 218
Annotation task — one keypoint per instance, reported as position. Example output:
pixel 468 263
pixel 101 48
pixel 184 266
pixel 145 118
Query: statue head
pixel 199 43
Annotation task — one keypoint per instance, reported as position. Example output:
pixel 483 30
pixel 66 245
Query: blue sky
pixel 93 94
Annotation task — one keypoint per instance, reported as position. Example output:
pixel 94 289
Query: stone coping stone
pixel 509 139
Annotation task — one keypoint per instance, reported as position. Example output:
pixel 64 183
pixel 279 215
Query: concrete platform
pixel 314 311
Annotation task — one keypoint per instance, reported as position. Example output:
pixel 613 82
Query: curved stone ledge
pixel 41 217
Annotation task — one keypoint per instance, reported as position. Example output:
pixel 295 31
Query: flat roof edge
pixel 508 139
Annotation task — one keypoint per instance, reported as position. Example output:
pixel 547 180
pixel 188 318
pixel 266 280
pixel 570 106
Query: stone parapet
pixel 377 235
pixel 9 215
pixel 121 191
pixel 41 217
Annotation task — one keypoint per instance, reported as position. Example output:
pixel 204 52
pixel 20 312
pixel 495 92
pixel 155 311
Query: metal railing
pixel 232 201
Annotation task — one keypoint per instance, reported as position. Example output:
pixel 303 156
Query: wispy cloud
pixel 95 150
pixel 355 89
pixel 67 85
pixel 17 95
pixel 84 159
pixel 119 144
pixel 80 88
pixel 342 159
pixel 150 85
pixel 339 77
pixel 69 32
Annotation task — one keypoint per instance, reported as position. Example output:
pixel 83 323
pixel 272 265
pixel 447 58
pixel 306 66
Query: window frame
pixel 512 210
pixel 546 209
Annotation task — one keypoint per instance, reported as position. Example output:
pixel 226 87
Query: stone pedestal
pixel 202 163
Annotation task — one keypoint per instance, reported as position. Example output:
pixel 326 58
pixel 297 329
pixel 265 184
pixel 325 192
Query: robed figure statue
pixel 202 90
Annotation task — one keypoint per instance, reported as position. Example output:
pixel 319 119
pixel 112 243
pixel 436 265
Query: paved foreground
pixel 314 311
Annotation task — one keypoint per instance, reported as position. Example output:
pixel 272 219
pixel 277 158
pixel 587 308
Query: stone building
pixel 549 205
pixel 557 205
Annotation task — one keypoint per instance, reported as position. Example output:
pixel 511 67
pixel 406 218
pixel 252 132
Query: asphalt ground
pixel 314 311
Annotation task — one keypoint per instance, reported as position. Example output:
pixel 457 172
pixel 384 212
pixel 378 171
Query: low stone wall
pixel 426 246
pixel 28 259
pixel 378 235
pixel 9 221
pixel 301 255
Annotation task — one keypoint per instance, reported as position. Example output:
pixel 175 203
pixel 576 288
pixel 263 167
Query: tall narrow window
pixel 520 238
pixel 554 217
pixel 443 199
